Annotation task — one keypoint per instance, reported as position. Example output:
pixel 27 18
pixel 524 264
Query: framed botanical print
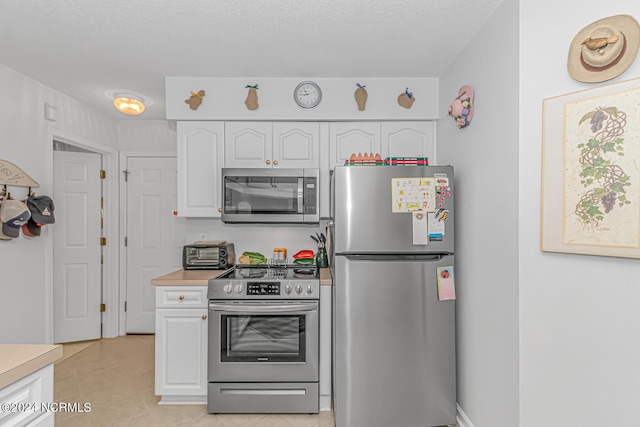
pixel 591 172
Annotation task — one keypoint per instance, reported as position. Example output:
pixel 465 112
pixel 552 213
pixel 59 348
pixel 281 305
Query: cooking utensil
pixel 315 238
pixel 323 238
pixel 319 238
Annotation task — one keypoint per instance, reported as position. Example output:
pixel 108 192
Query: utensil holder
pixel 322 261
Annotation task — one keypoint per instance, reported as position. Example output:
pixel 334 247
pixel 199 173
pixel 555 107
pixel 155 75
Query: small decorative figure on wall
pixel 461 109
pixel 406 99
pixel 252 97
pixel 361 96
pixel 195 100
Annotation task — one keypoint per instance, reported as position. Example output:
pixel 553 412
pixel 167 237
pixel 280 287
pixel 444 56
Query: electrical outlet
pixel 202 236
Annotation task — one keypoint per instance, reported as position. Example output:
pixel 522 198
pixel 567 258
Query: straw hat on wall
pixel 604 49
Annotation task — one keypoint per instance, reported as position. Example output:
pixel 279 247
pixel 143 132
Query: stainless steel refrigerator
pixel 393 328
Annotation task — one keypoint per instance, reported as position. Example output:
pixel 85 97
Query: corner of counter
pixel 19 360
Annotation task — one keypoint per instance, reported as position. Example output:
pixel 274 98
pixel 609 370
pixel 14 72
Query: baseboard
pixel 325 403
pixel 462 419
pixel 183 400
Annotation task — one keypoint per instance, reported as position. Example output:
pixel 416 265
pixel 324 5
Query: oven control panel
pixel 256 289
pixel 263 288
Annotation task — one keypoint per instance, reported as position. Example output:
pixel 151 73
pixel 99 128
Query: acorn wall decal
pixel 252 97
pixel 195 100
pixel 406 99
pixel 361 96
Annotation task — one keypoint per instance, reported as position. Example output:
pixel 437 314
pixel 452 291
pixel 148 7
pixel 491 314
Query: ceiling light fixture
pixel 128 102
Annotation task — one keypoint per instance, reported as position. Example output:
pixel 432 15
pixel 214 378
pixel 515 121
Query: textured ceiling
pixel 85 47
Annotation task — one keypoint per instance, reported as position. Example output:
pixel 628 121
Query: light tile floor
pixel 116 376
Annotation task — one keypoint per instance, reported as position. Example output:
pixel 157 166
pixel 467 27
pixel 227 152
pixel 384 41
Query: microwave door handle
pixel 260 309
pixel 300 195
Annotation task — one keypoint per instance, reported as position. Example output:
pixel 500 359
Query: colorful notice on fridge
pixel 446 285
pixel 436 226
pixel 413 194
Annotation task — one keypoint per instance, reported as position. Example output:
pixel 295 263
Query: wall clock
pixel 307 95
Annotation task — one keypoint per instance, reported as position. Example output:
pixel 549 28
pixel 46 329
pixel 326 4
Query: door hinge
pixel 103 308
pixel 126 175
pixel 101 259
pixel 103 241
pixel 125 306
pixel 125 240
pixel 103 174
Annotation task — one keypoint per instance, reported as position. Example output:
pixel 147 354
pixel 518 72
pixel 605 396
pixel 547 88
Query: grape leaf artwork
pixel 601 175
pixel 591 172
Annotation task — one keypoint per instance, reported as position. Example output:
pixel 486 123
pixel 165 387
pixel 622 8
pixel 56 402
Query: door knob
pixel 219 209
pixel 181 297
pixel 275 162
pixel 268 162
pixel 204 317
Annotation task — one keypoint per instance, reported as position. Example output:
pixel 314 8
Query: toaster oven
pixel 208 256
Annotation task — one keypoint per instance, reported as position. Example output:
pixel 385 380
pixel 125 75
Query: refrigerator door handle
pixel 395 257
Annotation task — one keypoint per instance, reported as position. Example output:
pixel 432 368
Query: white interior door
pixel 155 236
pixel 76 246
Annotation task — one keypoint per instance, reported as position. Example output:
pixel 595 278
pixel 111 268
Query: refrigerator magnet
pixel 442 180
pixel 419 228
pixel 413 194
pixel 446 284
pixel 435 226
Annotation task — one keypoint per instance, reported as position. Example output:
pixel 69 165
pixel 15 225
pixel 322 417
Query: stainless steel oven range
pixel 263 340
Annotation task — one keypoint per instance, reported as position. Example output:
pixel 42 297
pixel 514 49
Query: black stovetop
pixel 291 271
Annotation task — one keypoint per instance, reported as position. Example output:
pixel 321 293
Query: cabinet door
pixel 352 137
pixel 409 139
pixel 296 145
pixel 248 145
pixel 200 154
pixel 181 352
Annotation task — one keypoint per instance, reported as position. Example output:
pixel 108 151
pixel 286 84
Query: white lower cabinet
pixel 181 345
pixel 31 391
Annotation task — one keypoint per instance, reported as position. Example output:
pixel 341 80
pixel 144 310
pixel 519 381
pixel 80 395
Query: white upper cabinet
pixel 200 153
pixel 352 137
pixel 409 139
pixel 268 144
pixel 248 145
pixel 296 145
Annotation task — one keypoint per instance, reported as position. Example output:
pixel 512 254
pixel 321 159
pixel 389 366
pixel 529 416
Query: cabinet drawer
pixel 181 297
pixel 35 388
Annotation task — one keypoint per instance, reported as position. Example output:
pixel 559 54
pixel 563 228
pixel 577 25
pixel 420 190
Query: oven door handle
pixel 259 309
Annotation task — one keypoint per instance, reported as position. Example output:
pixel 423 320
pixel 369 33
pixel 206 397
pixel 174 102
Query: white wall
pixel 26 142
pixel 147 135
pixel 579 316
pixel 485 158
pixel 256 238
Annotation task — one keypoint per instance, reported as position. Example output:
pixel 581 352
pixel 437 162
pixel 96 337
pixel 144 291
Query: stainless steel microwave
pixel 270 195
